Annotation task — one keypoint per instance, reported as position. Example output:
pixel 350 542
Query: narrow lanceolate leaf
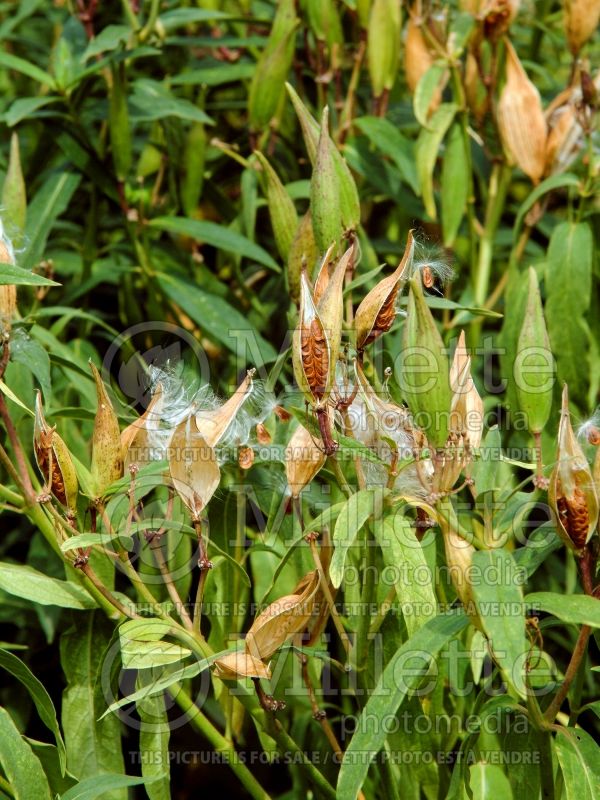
pixel 376 313
pixel 22 768
pixel 578 609
pixel 24 581
pixel 154 738
pixel 54 460
pixel 350 521
pixel 427 149
pixel 534 365
pixel 499 603
pixel 107 458
pixel 282 211
pixel 455 184
pixel 193 467
pixel 14 200
pixel 400 676
pixel 325 192
pixel 579 758
pixel 383 44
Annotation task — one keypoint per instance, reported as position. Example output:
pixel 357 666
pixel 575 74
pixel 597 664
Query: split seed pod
pixel 136 438
pixel 377 312
pixel 8 292
pixel 54 460
pixel 107 457
pixel 303 459
pixel 283 619
pixel 521 120
pixel 193 467
pixel 311 351
pixel 571 494
pixel 581 20
pixel 238 665
pixel 213 425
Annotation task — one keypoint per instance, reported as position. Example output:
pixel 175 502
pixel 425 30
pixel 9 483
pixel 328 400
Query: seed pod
pixel 8 292
pixel 348 193
pixel 54 460
pixel 304 458
pixel 118 121
pixel 498 16
pixel 14 199
pixel 325 22
pixel 267 87
pixel 193 467
pixel 311 350
pixel 581 20
pixel 282 211
pixel 534 365
pixel 107 457
pixel 572 494
pixel 331 308
pixel 521 120
pixel 325 192
pixel 417 58
pixel 136 438
pixel 283 619
pixel 363 10
pixel 422 340
pixel 238 665
pixel 459 554
pixel 323 275
pixel 383 44
pixel 302 255
pixel 213 425
pixel 192 168
pixel 377 312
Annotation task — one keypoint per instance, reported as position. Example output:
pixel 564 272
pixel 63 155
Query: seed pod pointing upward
pixel 325 192
pixel 376 314
pixel 107 458
pixel 54 460
pixel 310 349
pixel 282 210
pixel 571 493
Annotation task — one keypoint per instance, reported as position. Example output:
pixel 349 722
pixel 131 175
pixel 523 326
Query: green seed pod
pixel 363 9
pixel 425 377
pixel 348 193
pixel 14 199
pixel 325 192
pixel 303 253
pixel 282 210
pixel 192 168
pixel 383 44
pixel 118 120
pixel 107 456
pixel 54 460
pixel 325 22
pixel 267 87
pixel 534 365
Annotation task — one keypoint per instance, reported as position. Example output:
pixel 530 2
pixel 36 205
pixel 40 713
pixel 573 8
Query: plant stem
pixel 576 660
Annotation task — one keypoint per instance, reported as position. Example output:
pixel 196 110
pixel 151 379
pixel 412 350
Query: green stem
pixel 366 599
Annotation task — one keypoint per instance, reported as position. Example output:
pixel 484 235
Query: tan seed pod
pixel 572 493
pixel 54 460
pixel 377 312
pixel 304 458
pixel 311 352
pixel 497 16
pixel 467 404
pixel 8 292
pixel 323 276
pixel 193 467
pixel 136 438
pixel 107 457
pixel 213 425
pixel 283 618
pixel 417 60
pixel 521 120
pixel 581 20
pixel 238 665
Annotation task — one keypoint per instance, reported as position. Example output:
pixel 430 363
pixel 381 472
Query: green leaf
pixel 47 205
pixel 93 746
pixel 579 609
pixel 400 545
pixel 426 88
pixel 352 517
pixel 386 136
pixel 455 183
pixel 484 469
pixel 218 319
pixel 543 541
pixel 25 107
pixel 154 739
pixel 151 100
pixel 178 17
pixel 579 759
pixel 488 782
pixel 426 152
pixel 108 39
pixel 28 583
pixel 10 274
pixel 214 75
pixel 498 596
pixel 562 181
pixel 32 356
pixel 91 539
pixel 98 786
pixel 26 68
pixel 145 655
pixel 399 677
pixel 43 703
pixel 218 236
pixel 22 768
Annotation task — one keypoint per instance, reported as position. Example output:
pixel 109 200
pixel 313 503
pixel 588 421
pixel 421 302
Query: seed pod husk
pixel 283 619
pixel 304 458
pixel 433 397
pixel 54 460
pixel 8 292
pixel 376 313
pixel 107 457
pixel 417 57
pixel 193 467
pixel 325 192
pixel 213 425
pixel 118 121
pixel 459 554
pixel 311 350
pixel 572 493
pixel 498 16
pixel 383 44
pixel 14 196
pixel 136 438
pixel 521 120
pixel 581 20
pixel 533 387
pixel 302 255
pixel 238 665
pixel 267 88
pixel 282 211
